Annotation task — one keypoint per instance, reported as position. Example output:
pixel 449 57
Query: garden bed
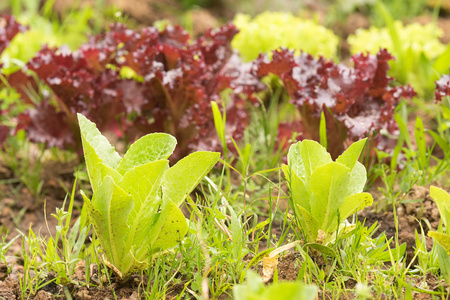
pixel 19 209
pixel 280 155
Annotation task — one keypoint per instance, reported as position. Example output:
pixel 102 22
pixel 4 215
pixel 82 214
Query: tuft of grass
pixel 25 160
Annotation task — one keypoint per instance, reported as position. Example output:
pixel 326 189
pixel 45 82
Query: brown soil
pixel 10 289
pixel 416 211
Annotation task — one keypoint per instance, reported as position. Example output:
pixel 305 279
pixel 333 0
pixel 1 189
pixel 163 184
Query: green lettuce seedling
pixel 134 207
pixel 442 199
pixel 324 192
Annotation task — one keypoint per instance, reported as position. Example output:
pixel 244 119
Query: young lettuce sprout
pixel 134 207
pixel 324 192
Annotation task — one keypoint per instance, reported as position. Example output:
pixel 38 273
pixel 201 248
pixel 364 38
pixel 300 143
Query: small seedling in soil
pixel 324 193
pixel 134 207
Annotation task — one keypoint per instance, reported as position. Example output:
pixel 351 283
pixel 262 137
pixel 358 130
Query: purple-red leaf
pixel 8 30
pixel 4 132
pixel 357 101
pixel 175 79
pixel 442 87
pixel 46 125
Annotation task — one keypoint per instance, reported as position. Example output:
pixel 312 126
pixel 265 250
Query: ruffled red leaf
pixel 44 124
pixel 8 30
pixel 178 79
pixel 357 101
pixel 442 88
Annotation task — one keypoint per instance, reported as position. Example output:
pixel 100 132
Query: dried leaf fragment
pixel 270 262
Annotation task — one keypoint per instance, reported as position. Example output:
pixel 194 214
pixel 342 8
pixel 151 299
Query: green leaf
pixel 419 133
pixel 358 178
pixel 351 155
pixel 181 179
pixel 329 185
pixel 323 131
pixel 326 192
pixel 148 148
pixel 445 112
pixel 393 33
pixel 403 129
pixel 172 230
pixel 324 249
pixel 98 171
pixel 295 161
pixel 308 223
pixel 304 157
pixel 290 290
pixel 442 199
pixel 91 135
pixel 236 232
pixel 101 158
pixel 385 256
pixel 219 122
pixel 143 183
pixel 254 289
pixel 109 211
pixel 299 192
pixel 444 261
pixel 313 155
pixel 440 140
pixel 442 238
pixel 353 204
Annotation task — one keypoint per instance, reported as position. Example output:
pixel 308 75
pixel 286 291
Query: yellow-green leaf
pixel 299 192
pixel 351 155
pixel 442 199
pixel 109 210
pixel 151 147
pixel 181 179
pixel 329 185
pixel 308 223
pixel 442 238
pixel 172 230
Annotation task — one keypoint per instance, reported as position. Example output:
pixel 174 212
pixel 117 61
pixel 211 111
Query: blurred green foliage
pixel 417 38
pixel 400 9
pixel 420 56
pixel 47 27
pixel 199 3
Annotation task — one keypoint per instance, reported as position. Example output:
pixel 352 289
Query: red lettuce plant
pixel 134 82
pixel 173 80
pixel 9 28
pixel 357 101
